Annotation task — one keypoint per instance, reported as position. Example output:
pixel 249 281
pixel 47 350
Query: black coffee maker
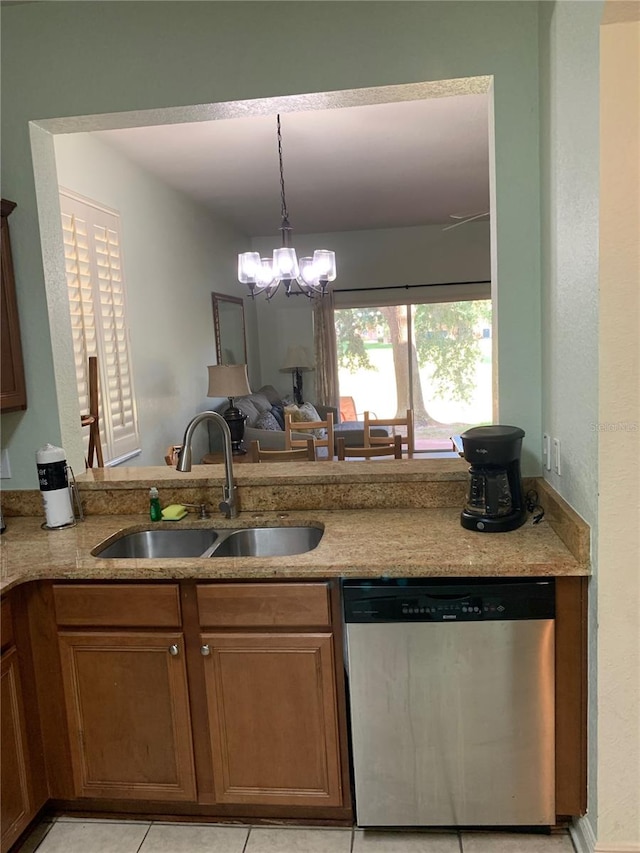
pixel 495 502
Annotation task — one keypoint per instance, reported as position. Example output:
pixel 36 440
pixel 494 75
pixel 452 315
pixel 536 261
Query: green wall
pixel 75 58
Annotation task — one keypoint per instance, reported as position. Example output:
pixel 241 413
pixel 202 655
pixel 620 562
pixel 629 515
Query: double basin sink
pixel 225 542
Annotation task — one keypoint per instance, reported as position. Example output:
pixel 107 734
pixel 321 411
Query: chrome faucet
pixel 228 503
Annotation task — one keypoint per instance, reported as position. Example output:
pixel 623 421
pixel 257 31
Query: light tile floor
pixel 76 835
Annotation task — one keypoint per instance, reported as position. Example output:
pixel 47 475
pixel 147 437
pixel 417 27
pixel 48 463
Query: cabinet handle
pixel 174 650
pixel 205 650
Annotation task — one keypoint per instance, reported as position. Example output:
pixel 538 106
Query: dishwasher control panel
pixel 454 600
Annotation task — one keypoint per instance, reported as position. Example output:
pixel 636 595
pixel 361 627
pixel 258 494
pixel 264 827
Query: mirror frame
pixel 219 332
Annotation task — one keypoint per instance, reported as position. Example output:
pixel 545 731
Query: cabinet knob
pixel 174 650
pixel 205 650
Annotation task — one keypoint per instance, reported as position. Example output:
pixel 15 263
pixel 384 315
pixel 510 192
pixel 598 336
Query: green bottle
pixel 155 511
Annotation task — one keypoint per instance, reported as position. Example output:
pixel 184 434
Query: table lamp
pixel 230 380
pixel 298 362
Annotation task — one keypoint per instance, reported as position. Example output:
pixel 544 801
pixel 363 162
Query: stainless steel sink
pixel 158 543
pixel 244 542
pixel 267 542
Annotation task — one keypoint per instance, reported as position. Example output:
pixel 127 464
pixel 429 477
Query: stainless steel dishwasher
pixel 451 687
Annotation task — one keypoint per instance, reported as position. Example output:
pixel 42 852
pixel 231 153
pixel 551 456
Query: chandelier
pixel 311 275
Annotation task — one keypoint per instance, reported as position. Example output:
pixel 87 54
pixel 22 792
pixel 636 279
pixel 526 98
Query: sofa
pixel 264 410
pixel 265 422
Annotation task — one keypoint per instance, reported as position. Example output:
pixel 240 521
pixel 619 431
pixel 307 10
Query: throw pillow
pixel 247 407
pixel 278 413
pixel 271 394
pixel 307 413
pixel 292 409
pixel 261 402
pixel 267 421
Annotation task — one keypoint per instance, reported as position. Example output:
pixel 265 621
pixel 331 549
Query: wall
pixel 569 240
pixel 619 427
pixel 590 156
pixel 368 259
pixel 82 59
pixel 569 235
pixel 174 254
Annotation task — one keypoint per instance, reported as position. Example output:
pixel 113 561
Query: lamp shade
pixel 228 380
pixel 297 359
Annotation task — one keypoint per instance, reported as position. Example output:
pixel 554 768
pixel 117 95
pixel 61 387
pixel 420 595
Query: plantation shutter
pixel 96 290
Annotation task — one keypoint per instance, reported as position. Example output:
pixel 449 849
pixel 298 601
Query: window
pixel 432 355
pixel 96 291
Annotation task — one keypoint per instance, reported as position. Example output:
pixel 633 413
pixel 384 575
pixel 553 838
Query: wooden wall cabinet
pixel 13 392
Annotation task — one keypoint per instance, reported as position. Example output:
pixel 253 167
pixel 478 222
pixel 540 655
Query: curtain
pixel 326 356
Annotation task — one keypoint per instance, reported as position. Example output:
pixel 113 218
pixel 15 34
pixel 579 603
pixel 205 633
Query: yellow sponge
pixel 173 512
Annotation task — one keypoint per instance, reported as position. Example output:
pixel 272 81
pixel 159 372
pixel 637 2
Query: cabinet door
pixel 13 393
pixel 128 715
pixel 15 805
pixel 272 718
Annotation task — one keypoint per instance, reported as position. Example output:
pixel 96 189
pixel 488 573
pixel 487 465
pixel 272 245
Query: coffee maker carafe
pixel 494 501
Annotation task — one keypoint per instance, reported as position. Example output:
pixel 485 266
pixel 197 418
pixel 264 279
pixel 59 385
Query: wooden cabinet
pixel 225 699
pixel 13 393
pixel 126 693
pixel 271 693
pixel 15 805
pixel 273 718
pixel 571 696
pixel 23 788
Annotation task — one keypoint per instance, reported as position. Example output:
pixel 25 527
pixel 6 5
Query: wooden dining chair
pixel 303 454
pixel 305 426
pixel 389 449
pixel 92 418
pixel 393 424
pixel 171 454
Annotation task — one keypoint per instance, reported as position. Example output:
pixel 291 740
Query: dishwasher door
pixel 453 722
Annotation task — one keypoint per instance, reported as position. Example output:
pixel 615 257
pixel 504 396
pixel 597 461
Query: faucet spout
pixel 228 505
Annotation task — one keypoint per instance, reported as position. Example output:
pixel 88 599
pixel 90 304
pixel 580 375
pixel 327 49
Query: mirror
pixel 228 324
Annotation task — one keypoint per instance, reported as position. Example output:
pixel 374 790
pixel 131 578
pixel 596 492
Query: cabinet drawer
pixel 6 623
pixel 260 605
pixel 118 605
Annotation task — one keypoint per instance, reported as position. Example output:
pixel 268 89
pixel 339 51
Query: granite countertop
pixel 356 543
pixel 282 474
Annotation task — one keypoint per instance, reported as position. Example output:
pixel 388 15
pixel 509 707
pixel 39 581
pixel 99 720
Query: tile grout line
pixel 145 836
pixel 459 834
pixel 246 841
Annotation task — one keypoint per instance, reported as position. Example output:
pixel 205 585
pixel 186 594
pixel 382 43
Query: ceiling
pixel 388 165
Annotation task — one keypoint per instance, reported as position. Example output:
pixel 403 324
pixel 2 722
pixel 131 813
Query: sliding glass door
pixel 432 357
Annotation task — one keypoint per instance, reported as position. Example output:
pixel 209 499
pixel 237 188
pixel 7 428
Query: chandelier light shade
pixel 311 275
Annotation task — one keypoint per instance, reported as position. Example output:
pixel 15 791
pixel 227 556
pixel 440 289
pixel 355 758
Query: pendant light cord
pixel 285 226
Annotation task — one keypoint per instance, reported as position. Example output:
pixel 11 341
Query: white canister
pixel 54 485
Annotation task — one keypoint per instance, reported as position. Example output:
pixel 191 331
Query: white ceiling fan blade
pixel 464 219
